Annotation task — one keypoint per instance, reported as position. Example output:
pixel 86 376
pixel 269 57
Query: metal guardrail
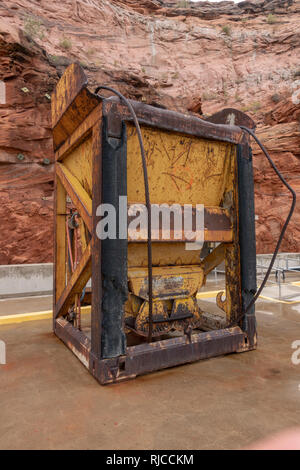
pixel 285 264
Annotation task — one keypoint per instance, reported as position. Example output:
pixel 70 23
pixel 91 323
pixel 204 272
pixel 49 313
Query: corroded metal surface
pixel 217 225
pixel 232 117
pixel 172 121
pixel 168 281
pixel 77 341
pixel 147 358
pixel 182 169
pixel 189 161
pixel 71 103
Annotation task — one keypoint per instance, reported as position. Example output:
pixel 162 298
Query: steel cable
pixel 148 205
pixel 258 292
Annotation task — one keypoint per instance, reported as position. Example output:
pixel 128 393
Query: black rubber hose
pixel 147 198
pixel 254 299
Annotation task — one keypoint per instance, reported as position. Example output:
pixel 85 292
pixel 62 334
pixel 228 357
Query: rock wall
pixel 197 58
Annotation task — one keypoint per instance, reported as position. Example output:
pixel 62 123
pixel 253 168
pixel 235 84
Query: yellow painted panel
pixel 163 254
pixel 181 169
pixel 168 282
pixel 79 163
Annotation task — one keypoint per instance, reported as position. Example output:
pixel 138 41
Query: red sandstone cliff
pixel 199 57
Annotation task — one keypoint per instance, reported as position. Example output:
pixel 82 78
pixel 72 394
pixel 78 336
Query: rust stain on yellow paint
pixel 182 169
pixel 79 163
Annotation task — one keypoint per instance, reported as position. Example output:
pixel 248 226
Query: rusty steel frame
pixel 145 358
pixel 77 113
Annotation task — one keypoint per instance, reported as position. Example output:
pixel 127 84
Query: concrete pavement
pixel 50 401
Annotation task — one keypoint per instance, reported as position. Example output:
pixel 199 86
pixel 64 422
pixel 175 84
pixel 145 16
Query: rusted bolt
pixel 20 156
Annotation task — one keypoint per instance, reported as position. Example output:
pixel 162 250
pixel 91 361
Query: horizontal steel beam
pixel 145 358
pixel 168 120
pixel 217 225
